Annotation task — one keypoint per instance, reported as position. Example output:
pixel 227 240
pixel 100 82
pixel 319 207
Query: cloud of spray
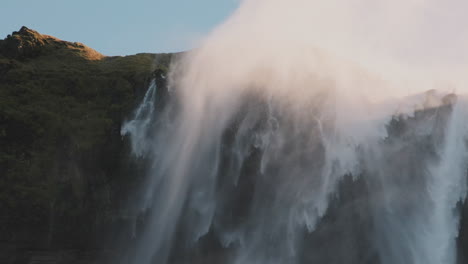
pixel 393 40
pixel 341 63
pixel 360 53
pixel 330 73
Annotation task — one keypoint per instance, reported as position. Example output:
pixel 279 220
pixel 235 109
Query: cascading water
pixel 280 146
pixel 138 127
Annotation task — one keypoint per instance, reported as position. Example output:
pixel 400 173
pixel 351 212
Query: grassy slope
pixel 61 108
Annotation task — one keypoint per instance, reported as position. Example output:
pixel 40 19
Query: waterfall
pixel 299 139
pixel 139 125
pixel 264 177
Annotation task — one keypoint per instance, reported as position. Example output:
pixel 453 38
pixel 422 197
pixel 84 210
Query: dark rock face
pixel 65 171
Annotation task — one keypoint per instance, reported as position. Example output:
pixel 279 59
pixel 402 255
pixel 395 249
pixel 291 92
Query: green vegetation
pixel 61 108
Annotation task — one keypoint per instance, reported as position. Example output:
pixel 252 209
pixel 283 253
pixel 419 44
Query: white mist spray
pixel 307 89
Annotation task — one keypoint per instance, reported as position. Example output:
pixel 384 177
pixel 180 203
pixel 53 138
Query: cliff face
pixel 64 168
pixel 67 176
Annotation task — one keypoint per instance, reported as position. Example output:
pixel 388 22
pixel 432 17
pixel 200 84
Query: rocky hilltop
pixel 64 167
pixel 27 43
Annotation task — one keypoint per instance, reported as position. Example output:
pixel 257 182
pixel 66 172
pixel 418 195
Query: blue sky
pixel 118 27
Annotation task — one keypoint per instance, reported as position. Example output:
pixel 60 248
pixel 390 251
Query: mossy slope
pixel 61 108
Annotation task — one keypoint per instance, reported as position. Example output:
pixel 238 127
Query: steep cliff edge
pixel 64 168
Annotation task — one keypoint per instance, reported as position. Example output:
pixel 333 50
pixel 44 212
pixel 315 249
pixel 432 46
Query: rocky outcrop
pixel 27 43
pixel 23 43
pixel 65 171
